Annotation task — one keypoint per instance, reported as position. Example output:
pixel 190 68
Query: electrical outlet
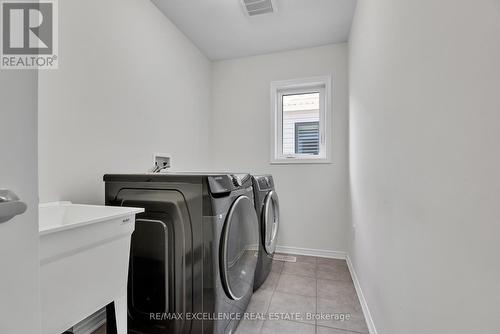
pixel 162 161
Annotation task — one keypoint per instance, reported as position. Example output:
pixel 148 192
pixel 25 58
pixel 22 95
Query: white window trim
pixel 325 119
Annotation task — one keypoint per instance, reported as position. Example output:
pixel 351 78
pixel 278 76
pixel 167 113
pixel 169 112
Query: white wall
pixel 314 210
pixel 128 84
pixel 424 157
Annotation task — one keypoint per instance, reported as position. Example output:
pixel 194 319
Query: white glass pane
pixel 300 124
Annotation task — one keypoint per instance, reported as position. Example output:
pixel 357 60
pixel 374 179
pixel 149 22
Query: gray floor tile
pixel 299 268
pixel 299 285
pixel 277 266
pixel 271 282
pixel 322 261
pixel 260 301
pixel 293 304
pixel 101 330
pixel 342 314
pixel 339 290
pixel 328 330
pixel 286 327
pixel 249 326
pixel 333 272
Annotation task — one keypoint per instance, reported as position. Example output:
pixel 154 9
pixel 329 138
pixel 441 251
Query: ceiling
pixel 222 29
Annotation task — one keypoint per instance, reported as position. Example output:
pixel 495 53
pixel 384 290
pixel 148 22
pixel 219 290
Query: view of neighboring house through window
pixel 307 138
pixel 301 124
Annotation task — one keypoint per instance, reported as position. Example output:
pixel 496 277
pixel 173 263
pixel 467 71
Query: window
pixel 300 119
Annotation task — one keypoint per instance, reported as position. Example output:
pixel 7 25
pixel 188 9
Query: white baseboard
pixel 366 311
pixel 311 252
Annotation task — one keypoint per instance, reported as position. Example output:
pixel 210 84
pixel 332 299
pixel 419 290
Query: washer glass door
pixel 271 217
pixel 240 241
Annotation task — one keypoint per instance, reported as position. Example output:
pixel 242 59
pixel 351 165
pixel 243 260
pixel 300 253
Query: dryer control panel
pixel 220 184
pixel 265 182
pixel 225 183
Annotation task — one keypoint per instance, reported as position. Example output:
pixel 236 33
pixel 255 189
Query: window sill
pixel 300 161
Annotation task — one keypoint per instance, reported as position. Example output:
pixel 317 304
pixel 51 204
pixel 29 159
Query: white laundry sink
pixel 84 257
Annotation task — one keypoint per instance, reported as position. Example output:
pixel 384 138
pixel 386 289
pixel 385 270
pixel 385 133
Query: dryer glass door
pixel 239 245
pixel 271 217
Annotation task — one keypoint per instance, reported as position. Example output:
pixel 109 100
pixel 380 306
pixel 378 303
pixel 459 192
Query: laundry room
pixel 249 166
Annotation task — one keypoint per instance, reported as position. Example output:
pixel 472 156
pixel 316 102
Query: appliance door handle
pixel 10 205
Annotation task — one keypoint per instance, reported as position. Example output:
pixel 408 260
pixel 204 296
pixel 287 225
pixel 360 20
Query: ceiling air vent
pixel 258 7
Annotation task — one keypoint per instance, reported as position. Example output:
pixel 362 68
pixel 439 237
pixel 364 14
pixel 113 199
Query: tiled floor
pixel 315 286
pixel 101 330
pixel 310 286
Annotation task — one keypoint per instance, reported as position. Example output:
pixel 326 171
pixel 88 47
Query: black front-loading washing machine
pixel 267 208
